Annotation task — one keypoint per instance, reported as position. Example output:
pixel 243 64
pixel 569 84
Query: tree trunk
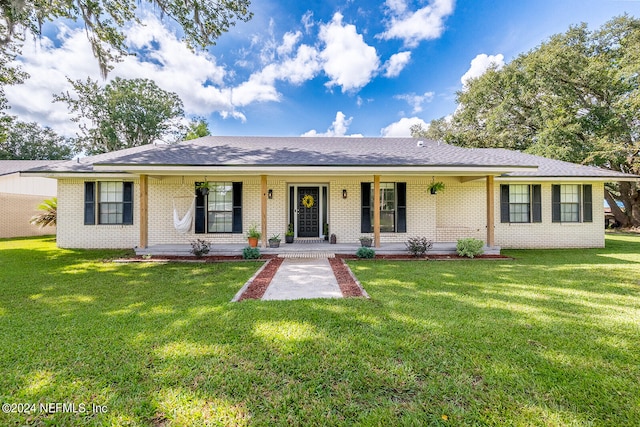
pixel 630 198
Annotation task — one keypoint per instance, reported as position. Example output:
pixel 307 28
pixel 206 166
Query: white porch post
pixel 376 210
pixel 144 211
pixel 490 211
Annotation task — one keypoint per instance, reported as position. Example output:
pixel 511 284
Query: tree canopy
pixel 201 21
pixel 576 97
pixel 30 141
pixel 123 114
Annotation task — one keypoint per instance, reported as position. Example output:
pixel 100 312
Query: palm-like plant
pixel 49 214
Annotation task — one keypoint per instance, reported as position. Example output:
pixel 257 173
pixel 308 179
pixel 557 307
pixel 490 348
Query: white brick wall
pixel 72 233
pixel 548 234
pixel 457 212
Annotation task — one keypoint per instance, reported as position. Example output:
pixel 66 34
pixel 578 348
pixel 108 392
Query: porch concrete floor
pixel 304 250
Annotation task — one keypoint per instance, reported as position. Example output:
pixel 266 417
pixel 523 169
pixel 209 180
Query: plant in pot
pixel 203 188
pixel 253 235
pixel 366 241
pixel 434 187
pixel 274 241
pixel 288 236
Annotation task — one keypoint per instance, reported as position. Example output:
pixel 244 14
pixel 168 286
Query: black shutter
pixel 587 203
pixel 127 203
pixel 504 204
pixel 237 207
pixel 555 203
pixel 199 227
pixel 365 219
pixel 401 189
pixel 536 191
pixel 89 203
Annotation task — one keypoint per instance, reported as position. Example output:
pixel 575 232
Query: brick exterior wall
pixel 15 212
pixel 457 212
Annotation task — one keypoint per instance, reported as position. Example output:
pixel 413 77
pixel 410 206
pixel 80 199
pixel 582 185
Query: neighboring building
pixel 344 186
pixel 20 197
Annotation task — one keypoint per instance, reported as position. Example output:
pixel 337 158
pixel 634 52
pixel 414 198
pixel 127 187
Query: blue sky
pixel 331 68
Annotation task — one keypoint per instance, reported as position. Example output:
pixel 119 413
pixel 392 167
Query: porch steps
pixel 306 255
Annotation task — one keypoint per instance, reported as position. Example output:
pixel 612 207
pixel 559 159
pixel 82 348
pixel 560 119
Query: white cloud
pixel 396 63
pixel 194 75
pixel 480 64
pixel 339 127
pixel 416 101
pixel 426 23
pixel 402 127
pixel 289 41
pixel 348 60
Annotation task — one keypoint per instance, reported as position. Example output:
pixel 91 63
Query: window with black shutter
pixel 110 202
pixel 393 207
pixel 520 203
pixel 219 208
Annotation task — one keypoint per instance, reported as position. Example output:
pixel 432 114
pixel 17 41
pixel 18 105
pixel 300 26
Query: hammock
pixel 183 225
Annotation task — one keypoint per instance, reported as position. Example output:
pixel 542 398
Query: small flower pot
pixel 366 243
pixel 274 243
pixel 288 239
pixel 253 242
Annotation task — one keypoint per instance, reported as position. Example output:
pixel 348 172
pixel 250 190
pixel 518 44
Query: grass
pixel 549 339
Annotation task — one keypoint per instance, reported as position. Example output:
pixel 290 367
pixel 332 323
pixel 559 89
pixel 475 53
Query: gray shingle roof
pixel 316 151
pixel 12 166
pixel 321 151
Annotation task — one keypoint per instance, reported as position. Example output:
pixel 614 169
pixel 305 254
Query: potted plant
pixel 203 187
pixel 434 187
pixel 366 241
pixel 274 241
pixel 253 235
pixel 288 236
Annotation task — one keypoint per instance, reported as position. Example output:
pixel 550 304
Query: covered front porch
pixel 304 248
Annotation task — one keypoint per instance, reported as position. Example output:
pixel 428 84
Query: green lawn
pixel 550 338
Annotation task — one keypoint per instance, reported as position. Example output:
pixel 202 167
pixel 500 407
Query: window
pixel 393 209
pixel 219 211
pixel 220 207
pixel 572 203
pixel 113 200
pixel 520 203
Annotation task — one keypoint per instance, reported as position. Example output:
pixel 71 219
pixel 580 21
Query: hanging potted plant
pixel 253 236
pixel 203 188
pixel 434 187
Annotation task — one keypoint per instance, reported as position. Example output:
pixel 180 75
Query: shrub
pixel 364 252
pixel 250 253
pixel 470 247
pixel 418 246
pixel 200 247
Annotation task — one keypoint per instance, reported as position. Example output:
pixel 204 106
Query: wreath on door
pixel 308 201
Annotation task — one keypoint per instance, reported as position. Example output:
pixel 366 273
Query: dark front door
pixel 308 212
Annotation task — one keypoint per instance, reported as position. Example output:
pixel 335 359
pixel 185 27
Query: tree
pixel 576 97
pixel 197 128
pixel 202 21
pixel 48 215
pixel 30 141
pixel 123 114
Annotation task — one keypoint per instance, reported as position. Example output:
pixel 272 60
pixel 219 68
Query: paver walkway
pixel 299 278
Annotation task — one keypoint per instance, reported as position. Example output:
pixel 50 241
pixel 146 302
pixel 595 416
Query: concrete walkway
pixel 300 278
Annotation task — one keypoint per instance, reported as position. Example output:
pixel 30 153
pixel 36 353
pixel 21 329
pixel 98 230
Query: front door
pixel 308 212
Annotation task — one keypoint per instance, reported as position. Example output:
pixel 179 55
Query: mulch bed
pixel 261 282
pixel 348 285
